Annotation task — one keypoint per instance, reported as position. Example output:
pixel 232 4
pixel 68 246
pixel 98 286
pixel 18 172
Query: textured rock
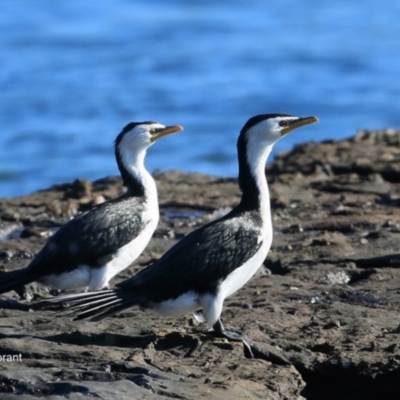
pixel 322 314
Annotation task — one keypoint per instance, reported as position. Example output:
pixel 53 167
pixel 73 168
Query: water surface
pixel 72 74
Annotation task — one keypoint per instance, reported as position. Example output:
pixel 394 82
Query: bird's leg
pixel 219 330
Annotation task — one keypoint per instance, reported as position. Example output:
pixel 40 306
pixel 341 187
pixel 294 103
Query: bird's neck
pixel 136 178
pixel 252 180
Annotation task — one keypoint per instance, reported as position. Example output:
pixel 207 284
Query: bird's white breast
pixel 78 278
pixel 240 276
pixel 131 251
pixel 187 302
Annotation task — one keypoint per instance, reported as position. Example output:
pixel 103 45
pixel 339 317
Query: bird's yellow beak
pixel 297 124
pixel 165 131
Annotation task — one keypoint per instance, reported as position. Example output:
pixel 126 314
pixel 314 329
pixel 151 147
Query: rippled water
pixel 72 74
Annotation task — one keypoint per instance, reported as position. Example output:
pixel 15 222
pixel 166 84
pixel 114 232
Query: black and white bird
pixel 213 262
pixel 89 250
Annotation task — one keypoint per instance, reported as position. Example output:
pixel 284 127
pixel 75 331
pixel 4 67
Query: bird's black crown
pixel 128 128
pixel 262 117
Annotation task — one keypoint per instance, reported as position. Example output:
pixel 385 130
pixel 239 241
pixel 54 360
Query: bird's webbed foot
pixel 220 331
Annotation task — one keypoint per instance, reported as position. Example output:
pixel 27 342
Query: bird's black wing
pixel 199 261
pixel 91 237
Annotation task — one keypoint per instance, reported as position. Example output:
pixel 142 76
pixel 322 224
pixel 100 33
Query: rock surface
pixel 322 314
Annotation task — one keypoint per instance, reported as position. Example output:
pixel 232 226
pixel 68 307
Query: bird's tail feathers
pixel 107 311
pixel 95 305
pixel 13 279
pixel 74 298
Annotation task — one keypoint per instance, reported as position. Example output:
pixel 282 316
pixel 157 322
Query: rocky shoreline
pixel 322 313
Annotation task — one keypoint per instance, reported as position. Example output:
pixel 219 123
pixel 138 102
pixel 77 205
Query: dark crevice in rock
pixel 176 340
pixel 388 260
pixel 384 261
pixel 276 267
pixel 11 304
pixel 102 339
pixel 338 383
pixel 357 276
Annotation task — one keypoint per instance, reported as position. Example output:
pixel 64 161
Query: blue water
pixel 73 73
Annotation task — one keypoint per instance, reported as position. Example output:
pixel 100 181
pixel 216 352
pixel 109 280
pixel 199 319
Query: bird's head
pixel 269 128
pixel 138 136
pixel 131 145
pixel 255 143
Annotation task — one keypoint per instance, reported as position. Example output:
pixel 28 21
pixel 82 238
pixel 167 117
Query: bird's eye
pixel 152 131
pixel 283 123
